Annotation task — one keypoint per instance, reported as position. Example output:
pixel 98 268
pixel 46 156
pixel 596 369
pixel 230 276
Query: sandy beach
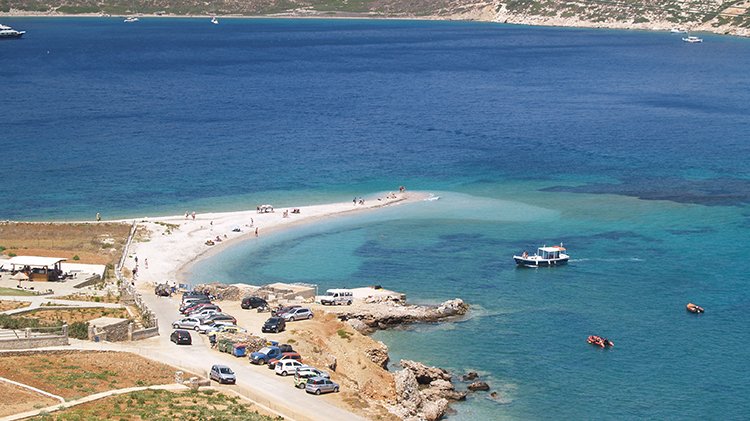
pixel 175 242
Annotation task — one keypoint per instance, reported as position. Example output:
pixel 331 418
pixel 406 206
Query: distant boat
pixel 214 20
pixel 8 32
pixel 678 31
pixel 545 256
pixel 694 308
pixel 692 39
pixel 130 19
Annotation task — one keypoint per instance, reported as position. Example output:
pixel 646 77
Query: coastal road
pixel 256 382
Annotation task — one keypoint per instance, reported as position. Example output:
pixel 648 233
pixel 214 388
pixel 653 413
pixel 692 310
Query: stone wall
pixel 144 333
pixel 115 332
pixel 25 343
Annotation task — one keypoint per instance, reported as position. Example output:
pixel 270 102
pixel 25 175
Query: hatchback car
pixel 181 337
pixel 318 385
pixel 220 317
pixel 201 306
pixel 300 313
pixel 286 367
pixel 274 324
pixel 283 310
pixel 304 373
pixel 284 357
pixel 186 323
pixel 222 374
pixel 253 302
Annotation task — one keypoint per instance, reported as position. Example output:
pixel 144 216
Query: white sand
pixel 163 256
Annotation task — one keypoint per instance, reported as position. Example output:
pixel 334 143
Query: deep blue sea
pixel 632 148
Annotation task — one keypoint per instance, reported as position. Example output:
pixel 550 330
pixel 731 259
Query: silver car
pixel 186 323
pixel 318 385
pixel 222 374
pixel 300 313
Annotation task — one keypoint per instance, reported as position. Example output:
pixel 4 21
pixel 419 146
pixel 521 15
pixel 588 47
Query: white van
pixel 336 297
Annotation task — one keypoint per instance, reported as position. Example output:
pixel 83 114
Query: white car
pixel 203 314
pixel 286 367
pixel 205 327
pixel 313 372
pixel 186 323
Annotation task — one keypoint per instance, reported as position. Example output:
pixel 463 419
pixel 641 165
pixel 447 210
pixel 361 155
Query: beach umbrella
pixel 20 276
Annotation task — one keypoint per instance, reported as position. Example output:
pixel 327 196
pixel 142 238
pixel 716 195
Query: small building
pixel 38 268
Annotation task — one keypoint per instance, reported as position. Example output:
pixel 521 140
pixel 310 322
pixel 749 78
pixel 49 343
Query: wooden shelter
pixel 38 268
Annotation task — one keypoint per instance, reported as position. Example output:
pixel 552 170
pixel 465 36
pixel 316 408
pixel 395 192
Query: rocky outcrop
pixel 379 355
pixel 471 375
pixel 423 392
pixel 388 313
pixel 478 385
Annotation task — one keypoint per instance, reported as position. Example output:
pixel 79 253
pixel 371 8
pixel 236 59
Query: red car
pixel 284 356
pixel 201 306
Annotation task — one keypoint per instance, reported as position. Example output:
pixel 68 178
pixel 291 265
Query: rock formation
pixel 423 392
pixel 385 314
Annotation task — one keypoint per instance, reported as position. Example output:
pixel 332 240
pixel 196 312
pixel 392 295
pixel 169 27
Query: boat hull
pixel 536 263
pixel 12 36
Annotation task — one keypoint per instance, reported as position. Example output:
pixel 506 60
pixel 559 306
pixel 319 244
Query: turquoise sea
pixel 630 147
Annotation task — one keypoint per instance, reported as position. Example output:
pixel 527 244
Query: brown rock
pixel 379 355
pixel 434 410
pixel 478 385
pixel 425 374
pixel 407 391
pixel 471 375
pixel 442 389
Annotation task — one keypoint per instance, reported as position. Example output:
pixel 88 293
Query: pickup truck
pixel 265 354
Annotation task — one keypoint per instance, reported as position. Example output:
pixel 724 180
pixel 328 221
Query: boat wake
pixel 616 259
pixel 432 198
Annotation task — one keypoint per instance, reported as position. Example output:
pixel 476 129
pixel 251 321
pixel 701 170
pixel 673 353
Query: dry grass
pixel 108 298
pixel 23 400
pixel 163 405
pixel 48 315
pixel 74 374
pixel 12 305
pixel 95 243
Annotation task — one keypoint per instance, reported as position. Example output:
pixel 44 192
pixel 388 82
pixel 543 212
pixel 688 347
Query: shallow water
pixel 629 147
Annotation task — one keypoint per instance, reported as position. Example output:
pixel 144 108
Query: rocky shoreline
pixel 379 313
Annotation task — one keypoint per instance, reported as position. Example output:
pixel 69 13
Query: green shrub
pixel 79 330
pixel 12 255
pixel 76 257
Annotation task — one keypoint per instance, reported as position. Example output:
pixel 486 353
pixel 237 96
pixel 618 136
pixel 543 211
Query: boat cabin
pixel 550 252
pixel 40 269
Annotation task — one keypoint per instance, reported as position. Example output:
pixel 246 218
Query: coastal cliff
pixel 718 16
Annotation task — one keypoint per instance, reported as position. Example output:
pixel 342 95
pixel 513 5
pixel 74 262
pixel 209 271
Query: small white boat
pixel 545 256
pixel 214 20
pixel 678 30
pixel 8 32
pixel 692 39
pixel 130 19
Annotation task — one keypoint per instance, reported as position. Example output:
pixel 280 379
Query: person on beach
pixel 193 215
pixel 355 201
pixel 187 215
pixel 98 217
pixel 256 231
pixel 145 262
pixel 252 222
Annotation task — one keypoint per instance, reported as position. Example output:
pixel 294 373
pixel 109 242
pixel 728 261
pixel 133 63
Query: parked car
pixel 336 297
pixel 304 373
pixel 186 323
pixel 205 327
pixel 219 327
pixel 181 337
pixel 253 302
pixel 163 290
pixel 286 367
pixel 203 313
pixel 222 374
pixel 220 317
pixel 193 301
pixel 201 306
pixel 284 357
pixel 265 354
pixel 283 310
pixel 318 385
pixel 193 294
pixel 274 324
pixel 299 313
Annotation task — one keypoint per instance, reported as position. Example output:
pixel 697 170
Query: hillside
pixel 720 16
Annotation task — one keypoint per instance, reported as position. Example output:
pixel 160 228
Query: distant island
pixel 719 16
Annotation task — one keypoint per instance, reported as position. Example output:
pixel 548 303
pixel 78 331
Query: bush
pixel 76 257
pixel 79 330
pixel 12 255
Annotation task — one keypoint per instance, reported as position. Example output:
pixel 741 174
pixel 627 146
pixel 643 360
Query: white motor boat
pixel 214 20
pixel 130 19
pixel 692 39
pixel 8 32
pixel 545 256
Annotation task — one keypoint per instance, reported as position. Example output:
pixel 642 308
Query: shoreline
pixel 500 18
